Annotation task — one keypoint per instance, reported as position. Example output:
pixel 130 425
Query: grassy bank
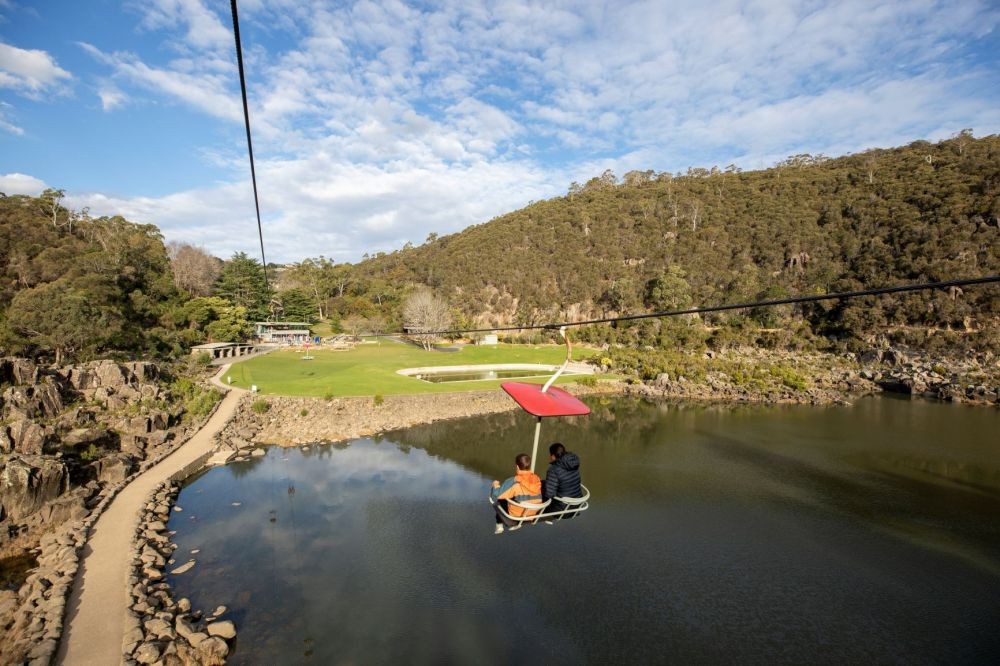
pixel 370 369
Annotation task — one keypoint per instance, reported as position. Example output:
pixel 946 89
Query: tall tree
pixel 195 270
pixel 242 282
pixel 425 313
pixel 63 318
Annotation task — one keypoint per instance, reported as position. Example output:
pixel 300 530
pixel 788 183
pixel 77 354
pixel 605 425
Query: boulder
pixel 71 506
pixel 223 629
pixel 159 628
pixel 109 373
pixel 213 650
pixel 134 445
pixel 871 357
pixel 18 371
pixel 893 357
pixel 142 371
pixel 115 468
pixel 28 437
pixel 82 438
pixel 128 394
pixel 147 653
pixel 28 482
pixel 30 402
pixel 137 425
pixel 159 420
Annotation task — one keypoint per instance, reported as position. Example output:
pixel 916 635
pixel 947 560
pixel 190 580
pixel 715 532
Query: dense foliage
pixel 809 225
pixel 75 287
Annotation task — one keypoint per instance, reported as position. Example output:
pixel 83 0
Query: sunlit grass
pixel 369 369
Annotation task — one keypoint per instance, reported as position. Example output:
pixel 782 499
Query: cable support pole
pixel 246 119
pixel 924 286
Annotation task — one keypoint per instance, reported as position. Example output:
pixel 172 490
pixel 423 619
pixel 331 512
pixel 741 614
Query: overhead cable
pixel 246 119
pixel 923 286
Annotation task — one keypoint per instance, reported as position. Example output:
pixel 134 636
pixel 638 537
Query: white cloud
pixel 6 124
pixel 206 91
pixel 111 97
pixel 376 122
pixel 29 71
pixel 19 183
pixel 203 28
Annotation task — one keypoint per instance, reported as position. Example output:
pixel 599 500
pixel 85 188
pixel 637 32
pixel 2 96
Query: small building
pixel 223 349
pixel 488 339
pixel 282 332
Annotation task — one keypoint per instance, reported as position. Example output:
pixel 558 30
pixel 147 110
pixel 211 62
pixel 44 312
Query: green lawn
pixel 369 369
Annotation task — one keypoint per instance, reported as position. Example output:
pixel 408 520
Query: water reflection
pixel 797 534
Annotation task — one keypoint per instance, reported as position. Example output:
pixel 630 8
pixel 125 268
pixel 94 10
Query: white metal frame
pixel 574 505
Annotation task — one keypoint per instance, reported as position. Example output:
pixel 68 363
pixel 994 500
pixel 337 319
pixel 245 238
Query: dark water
pixel 716 535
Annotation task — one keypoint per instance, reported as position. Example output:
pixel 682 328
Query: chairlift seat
pixel 574 505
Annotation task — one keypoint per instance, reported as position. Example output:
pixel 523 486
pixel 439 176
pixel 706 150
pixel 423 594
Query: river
pixel 752 534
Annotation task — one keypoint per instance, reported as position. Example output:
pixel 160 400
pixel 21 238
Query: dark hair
pixel 557 450
pixel 523 461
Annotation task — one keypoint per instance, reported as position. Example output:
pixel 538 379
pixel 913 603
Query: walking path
pixel 96 610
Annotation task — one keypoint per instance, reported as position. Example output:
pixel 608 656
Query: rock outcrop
pixel 160 629
pixel 27 483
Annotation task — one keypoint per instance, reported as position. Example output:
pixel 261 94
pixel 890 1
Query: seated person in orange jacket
pixel 524 487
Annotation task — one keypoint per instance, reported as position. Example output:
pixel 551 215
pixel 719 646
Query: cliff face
pixel 67 432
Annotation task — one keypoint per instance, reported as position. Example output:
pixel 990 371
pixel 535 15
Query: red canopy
pixel 554 402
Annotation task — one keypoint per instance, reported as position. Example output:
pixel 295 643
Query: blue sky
pixel 376 122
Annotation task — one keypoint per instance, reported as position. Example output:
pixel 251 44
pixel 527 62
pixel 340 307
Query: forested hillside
pixel 809 225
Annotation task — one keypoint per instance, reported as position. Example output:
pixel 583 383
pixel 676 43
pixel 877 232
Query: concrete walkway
pixel 96 610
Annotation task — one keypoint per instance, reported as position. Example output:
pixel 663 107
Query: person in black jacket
pixel 563 477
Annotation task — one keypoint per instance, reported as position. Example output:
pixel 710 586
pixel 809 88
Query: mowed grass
pixel 370 369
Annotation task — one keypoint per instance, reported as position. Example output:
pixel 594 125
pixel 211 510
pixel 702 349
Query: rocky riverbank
pixel 766 376
pixel 71 439
pixel 160 630
pixel 290 421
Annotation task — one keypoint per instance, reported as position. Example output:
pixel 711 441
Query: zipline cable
pixel 923 286
pixel 246 119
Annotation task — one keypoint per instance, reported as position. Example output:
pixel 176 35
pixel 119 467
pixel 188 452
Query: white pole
pixel 534 448
pixel 569 357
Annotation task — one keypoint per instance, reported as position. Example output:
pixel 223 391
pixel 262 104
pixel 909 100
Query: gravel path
pixel 95 613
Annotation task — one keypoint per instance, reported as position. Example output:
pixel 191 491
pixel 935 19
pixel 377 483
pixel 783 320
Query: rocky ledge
pixel 291 421
pixel 160 630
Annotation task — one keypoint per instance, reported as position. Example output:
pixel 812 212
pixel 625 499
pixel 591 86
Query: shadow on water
pixel 716 534
pixel 958 519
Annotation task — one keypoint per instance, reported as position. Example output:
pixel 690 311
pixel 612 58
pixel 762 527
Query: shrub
pixel 203 403
pixel 587 380
pixel 304 413
pixel 790 378
pixel 203 359
pixel 328 395
pixel 378 399
pixel 92 453
pixel 260 406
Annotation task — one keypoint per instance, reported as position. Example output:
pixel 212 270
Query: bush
pixel 92 453
pixel 587 380
pixel 203 359
pixel 198 400
pixel 790 378
pixel 378 399
pixel 260 406
pixel 304 413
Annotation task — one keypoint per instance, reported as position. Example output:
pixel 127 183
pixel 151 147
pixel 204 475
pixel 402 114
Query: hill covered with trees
pixel 650 241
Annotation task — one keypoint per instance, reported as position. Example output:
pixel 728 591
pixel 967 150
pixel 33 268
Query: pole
pixel 534 448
